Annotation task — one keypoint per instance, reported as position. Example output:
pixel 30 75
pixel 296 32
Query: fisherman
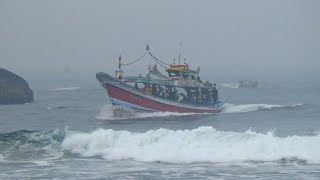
pixel 206 96
pixel 160 91
pixel 184 98
pixel 136 86
pixel 189 97
pixel 165 93
pixel 169 93
pixel 154 89
pixel 215 94
pixel 176 95
pixel 172 94
pixel 197 95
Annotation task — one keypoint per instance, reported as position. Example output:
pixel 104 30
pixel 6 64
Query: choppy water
pixel 264 133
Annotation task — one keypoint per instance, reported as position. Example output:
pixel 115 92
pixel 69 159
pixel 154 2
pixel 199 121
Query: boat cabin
pixel 182 72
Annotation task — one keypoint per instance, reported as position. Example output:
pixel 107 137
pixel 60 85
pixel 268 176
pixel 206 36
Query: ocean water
pixel 271 132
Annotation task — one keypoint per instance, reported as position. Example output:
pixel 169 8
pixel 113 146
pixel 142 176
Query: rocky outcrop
pixel 14 89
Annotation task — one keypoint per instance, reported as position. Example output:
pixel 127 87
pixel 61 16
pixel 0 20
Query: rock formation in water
pixel 14 89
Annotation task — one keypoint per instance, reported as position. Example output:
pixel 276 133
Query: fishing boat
pixel 248 84
pixel 181 90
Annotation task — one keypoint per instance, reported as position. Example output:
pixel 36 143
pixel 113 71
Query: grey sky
pixel 230 40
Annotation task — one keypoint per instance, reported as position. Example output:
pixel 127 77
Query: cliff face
pixel 14 89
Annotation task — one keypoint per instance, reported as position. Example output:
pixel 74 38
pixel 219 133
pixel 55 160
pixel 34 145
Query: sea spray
pixel 204 144
pixel 107 112
pixel 110 112
pixel 240 108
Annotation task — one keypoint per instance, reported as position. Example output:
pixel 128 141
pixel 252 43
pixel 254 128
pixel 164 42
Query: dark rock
pixel 14 89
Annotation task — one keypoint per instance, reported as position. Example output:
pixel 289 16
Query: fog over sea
pixel 269 132
pixel 69 131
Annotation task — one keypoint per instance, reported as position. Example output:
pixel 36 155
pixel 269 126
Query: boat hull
pixel 123 94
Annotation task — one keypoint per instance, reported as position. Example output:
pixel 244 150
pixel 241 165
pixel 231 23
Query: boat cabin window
pixel 174 74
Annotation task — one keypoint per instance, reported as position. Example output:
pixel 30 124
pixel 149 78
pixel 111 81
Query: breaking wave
pixel 24 145
pixel 204 144
pixel 232 108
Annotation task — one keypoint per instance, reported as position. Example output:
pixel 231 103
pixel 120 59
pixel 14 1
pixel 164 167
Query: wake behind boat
pixel 180 91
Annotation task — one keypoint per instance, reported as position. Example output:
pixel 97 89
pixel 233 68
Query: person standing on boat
pixel 136 86
pixel 215 94
pixel 184 98
pixel 154 89
pixel 198 96
pixel 176 95
pixel 160 91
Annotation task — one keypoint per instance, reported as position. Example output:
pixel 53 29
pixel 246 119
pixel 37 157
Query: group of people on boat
pixel 202 96
pixel 165 92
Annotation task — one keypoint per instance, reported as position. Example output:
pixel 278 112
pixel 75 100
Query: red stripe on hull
pixel 127 96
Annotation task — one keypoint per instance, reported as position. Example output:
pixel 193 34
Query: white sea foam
pixel 42 163
pixel 204 144
pixel 65 89
pixel 106 112
pixel 110 112
pixel 163 114
pixel 232 108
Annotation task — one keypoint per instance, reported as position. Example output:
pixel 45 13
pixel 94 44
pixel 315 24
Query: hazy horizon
pixel 231 40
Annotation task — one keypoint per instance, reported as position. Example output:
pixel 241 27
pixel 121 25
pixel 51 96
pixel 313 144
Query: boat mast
pixel 147 68
pixel 119 61
pixel 119 72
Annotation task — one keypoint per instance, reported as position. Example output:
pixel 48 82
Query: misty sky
pixel 230 39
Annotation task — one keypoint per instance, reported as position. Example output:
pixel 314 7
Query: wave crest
pixel 204 144
pixel 232 108
pixel 25 144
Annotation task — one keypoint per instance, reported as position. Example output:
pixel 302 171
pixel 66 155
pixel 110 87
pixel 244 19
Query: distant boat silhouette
pixel 68 79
